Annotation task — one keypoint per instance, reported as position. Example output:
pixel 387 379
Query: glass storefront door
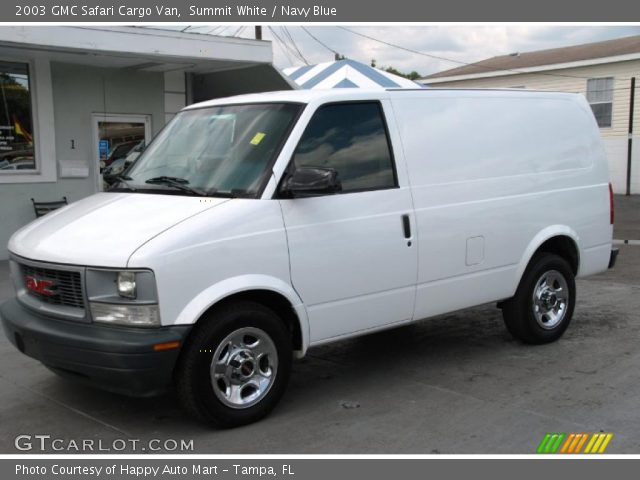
pixel 119 139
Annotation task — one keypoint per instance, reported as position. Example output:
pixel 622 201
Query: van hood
pixel 106 228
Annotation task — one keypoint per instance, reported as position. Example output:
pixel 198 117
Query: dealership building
pixel 72 97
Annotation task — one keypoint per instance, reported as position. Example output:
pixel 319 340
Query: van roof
pixel 342 94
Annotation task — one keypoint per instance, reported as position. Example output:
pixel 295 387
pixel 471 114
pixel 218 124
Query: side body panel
pixel 350 261
pixel 239 245
pixel 493 175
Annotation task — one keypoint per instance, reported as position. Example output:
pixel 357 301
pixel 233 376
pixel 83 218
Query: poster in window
pixel 16 123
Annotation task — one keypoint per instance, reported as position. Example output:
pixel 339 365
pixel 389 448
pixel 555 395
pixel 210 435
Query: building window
pixel 600 97
pixel 16 122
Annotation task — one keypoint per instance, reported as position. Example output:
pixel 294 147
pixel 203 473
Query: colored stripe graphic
pixel 572 443
pixel 551 442
pixel 581 443
pixel 598 443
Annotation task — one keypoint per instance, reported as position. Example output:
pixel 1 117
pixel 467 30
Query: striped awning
pixel 346 74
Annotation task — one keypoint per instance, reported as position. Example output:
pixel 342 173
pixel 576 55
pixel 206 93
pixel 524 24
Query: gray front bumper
pixel 117 359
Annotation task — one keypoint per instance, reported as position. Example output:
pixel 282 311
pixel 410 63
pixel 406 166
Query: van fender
pixel 542 236
pixel 243 283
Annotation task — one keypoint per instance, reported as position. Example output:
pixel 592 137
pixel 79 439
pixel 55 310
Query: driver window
pixel 350 138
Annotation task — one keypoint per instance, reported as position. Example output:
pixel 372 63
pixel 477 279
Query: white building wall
pixel 79 71
pixel 575 80
pixel 175 93
pixel 76 92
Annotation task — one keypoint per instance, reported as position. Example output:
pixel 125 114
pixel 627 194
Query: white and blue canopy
pixel 346 74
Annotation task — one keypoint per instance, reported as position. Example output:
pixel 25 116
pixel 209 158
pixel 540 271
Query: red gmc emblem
pixel 43 287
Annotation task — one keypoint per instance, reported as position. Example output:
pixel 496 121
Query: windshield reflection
pixel 223 151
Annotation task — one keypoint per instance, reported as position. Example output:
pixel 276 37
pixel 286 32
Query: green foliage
pixel 413 75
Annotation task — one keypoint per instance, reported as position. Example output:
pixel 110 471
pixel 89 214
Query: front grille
pixel 66 288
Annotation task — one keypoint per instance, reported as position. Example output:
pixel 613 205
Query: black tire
pixel 194 386
pixel 518 311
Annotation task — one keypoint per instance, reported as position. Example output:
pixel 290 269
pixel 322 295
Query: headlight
pixel 132 315
pixel 127 284
pixel 123 297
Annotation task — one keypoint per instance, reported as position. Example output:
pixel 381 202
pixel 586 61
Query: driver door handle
pixel 406 226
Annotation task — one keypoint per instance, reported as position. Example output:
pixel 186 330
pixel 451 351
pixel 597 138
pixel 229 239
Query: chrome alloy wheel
pixel 243 367
pixel 550 299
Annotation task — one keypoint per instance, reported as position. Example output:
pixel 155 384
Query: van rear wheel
pixel 542 307
pixel 236 366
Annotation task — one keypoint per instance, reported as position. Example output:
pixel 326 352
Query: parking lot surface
pixel 457 383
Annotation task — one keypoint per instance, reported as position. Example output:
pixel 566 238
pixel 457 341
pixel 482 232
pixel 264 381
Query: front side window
pixel 16 123
pixel 350 138
pixel 220 151
pixel 600 97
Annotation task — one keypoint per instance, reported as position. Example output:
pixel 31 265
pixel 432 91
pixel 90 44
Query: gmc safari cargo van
pixel 255 227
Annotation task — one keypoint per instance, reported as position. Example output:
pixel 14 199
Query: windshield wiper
pixel 175 182
pixel 124 179
pixel 241 193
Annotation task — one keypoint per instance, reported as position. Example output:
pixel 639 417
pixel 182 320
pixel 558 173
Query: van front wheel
pixel 236 366
pixel 542 307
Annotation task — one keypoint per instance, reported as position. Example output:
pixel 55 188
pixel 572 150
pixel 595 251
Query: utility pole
pixel 630 138
pixel 258 30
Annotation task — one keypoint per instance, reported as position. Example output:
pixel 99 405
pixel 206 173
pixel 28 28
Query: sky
pixel 464 43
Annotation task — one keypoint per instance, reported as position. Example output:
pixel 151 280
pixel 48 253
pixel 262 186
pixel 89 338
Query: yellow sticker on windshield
pixel 257 138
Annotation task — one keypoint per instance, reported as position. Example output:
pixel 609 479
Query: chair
pixel 42 208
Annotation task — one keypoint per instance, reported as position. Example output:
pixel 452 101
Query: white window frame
pixel 42 119
pixel 601 103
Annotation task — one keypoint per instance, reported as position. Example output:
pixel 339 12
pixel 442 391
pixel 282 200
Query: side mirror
pixel 311 181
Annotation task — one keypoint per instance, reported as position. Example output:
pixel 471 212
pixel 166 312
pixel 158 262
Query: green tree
pixel 413 75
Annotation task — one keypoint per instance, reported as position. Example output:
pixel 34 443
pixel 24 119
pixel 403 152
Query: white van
pixel 255 227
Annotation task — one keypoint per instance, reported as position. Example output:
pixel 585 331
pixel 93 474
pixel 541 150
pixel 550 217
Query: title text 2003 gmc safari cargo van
pixel 255 227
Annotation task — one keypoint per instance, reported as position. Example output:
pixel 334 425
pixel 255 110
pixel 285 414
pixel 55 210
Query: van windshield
pixel 224 150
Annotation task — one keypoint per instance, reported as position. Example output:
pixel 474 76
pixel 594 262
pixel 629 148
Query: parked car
pixel 135 152
pixel 27 164
pixel 18 152
pixel 119 151
pixel 327 215
pixel 110 173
